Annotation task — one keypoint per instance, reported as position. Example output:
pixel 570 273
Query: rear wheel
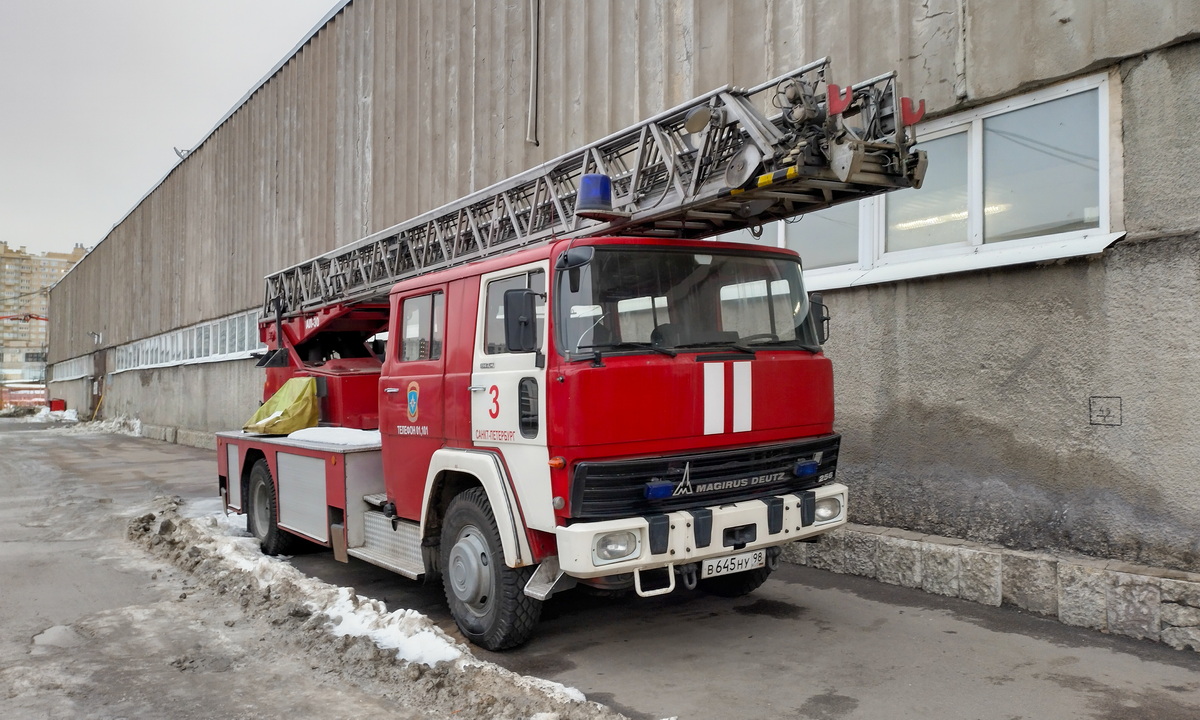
pixel 486 597
pixel 736 585
pixel 262 520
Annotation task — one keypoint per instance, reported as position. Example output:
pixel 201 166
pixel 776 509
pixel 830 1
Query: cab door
pixel 411 407
pixel 508 399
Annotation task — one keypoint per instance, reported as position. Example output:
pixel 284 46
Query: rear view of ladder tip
pixel 731 159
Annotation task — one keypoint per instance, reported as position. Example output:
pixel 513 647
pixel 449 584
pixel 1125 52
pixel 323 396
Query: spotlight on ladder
pixel 594 200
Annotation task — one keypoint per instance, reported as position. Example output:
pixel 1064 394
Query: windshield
pixel 637 299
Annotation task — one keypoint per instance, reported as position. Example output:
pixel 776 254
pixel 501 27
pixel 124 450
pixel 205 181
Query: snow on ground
pixel 358 635
pixel 348 437
pixel 45 415
pixel 117 426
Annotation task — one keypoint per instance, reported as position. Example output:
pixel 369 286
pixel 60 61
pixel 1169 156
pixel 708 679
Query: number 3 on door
pixel 494 410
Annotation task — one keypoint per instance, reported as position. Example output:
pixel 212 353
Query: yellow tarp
pixel 293 407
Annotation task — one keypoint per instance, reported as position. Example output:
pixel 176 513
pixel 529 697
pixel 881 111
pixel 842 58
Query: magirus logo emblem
pixel 685 486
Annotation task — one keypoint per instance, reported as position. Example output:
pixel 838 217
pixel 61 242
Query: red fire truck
pixel 562 380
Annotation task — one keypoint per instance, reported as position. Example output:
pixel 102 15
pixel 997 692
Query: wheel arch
pixel 453 471
pixel 253 455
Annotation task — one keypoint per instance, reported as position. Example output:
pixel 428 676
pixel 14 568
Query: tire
pixel 486 597
pixel 737 584
pixel 262 517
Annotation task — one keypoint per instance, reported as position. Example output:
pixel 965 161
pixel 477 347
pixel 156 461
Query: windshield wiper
pixel 626 344
pixel 796 343
pixel 720 344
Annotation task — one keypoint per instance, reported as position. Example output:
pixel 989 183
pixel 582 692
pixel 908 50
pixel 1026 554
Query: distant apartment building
pixel 25 280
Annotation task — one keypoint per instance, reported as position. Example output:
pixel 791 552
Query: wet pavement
pixel 808 644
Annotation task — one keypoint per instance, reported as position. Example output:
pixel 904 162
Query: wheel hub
pixel 469 571
pixel 261 509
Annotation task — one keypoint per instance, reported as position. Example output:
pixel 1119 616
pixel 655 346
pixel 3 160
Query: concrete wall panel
pixel 968 408
pixel 1012 45
pixel 206 397
pixel 1161 109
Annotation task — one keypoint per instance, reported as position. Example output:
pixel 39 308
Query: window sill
pixel 982 257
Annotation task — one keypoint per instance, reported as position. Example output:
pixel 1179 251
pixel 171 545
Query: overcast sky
pixel 94 94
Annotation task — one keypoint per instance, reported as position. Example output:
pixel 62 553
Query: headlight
pixel 828 509
pixel 613 546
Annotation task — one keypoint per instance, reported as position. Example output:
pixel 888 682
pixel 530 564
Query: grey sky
pixel 95 93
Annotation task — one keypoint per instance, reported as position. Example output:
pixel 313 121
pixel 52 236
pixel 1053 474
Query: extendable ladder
pixel 731 159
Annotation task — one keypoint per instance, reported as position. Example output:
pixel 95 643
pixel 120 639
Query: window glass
pixel 422 321
pixel 637 317
pixel 438 339
pixel 937 213
pixel 240 324
pixel 493 331
pixel 416 320
pixel 825 238
pixel 760 310
pixel 1041 169
pixel 632 299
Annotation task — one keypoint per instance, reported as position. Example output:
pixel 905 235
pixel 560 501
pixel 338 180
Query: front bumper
pixel 677 537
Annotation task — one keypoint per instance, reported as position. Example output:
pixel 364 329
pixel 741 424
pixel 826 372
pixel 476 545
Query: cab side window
pixel 493 330
pixel 422 327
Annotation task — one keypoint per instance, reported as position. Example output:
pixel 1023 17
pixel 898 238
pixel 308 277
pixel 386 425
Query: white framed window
pixel 1022 180
pixel 233 337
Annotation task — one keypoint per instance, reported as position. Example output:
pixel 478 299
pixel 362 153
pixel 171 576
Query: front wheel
pixel 486 597
pixel 263 514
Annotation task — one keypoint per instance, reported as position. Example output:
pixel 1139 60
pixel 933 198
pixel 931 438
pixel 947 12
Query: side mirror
pixel 818 312
pixel 520 320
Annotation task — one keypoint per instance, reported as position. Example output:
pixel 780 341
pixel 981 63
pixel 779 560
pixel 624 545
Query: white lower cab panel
pixel 398 550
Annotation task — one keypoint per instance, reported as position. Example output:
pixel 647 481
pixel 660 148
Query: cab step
pixel 395 545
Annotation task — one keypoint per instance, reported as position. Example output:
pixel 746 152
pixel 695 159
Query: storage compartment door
pixel 302 497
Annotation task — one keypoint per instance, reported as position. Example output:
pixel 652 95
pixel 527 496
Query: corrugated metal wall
pixel 394 108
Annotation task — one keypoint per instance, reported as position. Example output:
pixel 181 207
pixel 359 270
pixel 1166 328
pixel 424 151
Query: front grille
pixel 604 490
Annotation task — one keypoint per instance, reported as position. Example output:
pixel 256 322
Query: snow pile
pixel 115 426
pixel 408 632
pixel 348 437
pixel 45 415
pixel 404 651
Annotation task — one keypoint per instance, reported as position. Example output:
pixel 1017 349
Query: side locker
pixel 233 469
pixel 303 494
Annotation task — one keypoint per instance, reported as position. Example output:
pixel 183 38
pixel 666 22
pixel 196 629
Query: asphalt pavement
pixel 808 644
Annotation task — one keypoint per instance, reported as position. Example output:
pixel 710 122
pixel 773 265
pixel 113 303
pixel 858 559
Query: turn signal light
pixel 659 489
pixel 558 462
pixel 805 468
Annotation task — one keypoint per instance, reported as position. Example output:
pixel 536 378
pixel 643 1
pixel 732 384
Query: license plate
pixel 733 563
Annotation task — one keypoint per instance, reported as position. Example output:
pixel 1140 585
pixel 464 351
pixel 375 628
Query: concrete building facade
pixel 1015 345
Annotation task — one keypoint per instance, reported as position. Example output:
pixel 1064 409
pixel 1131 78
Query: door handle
pixel 391 390
pixel 477 388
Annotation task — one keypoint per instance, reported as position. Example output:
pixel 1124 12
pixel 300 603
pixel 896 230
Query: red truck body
pixel 583 431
